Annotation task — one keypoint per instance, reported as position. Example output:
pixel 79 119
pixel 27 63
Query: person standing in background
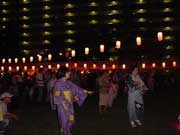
pixel 135 99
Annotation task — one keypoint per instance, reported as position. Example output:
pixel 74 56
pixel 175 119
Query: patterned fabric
pixel 64 94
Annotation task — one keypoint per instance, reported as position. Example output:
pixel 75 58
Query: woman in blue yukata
pixel 65 93
pixel 136 88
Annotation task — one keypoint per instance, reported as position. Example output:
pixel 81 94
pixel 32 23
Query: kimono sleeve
pixel 79 94
pixel 57 93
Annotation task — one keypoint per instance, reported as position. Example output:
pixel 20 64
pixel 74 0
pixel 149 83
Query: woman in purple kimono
pixel 64 94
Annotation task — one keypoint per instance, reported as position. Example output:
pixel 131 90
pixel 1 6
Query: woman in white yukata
pixel 135 106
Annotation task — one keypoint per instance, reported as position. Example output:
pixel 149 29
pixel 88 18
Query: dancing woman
pixel 136 88
pixel 64 94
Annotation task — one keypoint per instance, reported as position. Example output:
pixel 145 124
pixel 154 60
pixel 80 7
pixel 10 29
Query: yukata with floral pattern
pixel 65 94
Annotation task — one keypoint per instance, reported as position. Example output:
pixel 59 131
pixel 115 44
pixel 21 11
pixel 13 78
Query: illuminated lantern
pixel 73 53
pixel 101 48
pixel 39 58
pixel 104 66
pixel 94 66
pixel 113 66
pixel 67 65
pixel 25 68
pixel 3 61
pixel 86 51
pixel 82 72
pixel 75 65
pixel 31 59
pixel 33 68
pixel 9 60
pixel 17 68
pixel 2 68
pixel 123 66
pixel 85 66
pixel 160 36
pixel 58 66
pixel 153 65
pixel 118 44
pixel 49 66
pixel 24 60
pixel 60 54
pixel 16 60
pixel 164 65
pixel 143 66
pixel 138 41
pixel 174 64
pixel 49 57
pixel 41 66
pixel 10 68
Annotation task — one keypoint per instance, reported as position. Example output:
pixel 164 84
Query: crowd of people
pixel 41 86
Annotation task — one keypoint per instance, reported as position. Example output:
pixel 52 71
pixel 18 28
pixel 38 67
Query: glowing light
pixel 24 60
pixel 118 44
pixel 174 64
pixel 93 21
pixel 138 41
pixel 25 1
pixel 9 60
pixel 101 48
pixel 41 66
pixel 49 57
pixel 31 58
pixel 93 13
pixel 160 36
pixel 113 66
pixel 2 68
pixel 85 65
pixel 75 65
pixel 70 14
pixel 25 68
pixel 58 66
pixel 3 61
pixel 143 66
pixel 86 51
pixel 104 66
pixel 10 68
pixel 49 66
pixel 73 53
pixel 69 6
pixel 16 60
pixel 33 68
pixel 93 4
pixel 164 65
pixel 67 65
pixel 94 66
pixel 46 24
pixel 17 68
pixel 25 9
pixel 39 58
pixel 123 66
pixel 113 21
pixel 153 65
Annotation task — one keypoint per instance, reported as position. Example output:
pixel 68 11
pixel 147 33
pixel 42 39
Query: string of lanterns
pixel 86 66
pixel 86 50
